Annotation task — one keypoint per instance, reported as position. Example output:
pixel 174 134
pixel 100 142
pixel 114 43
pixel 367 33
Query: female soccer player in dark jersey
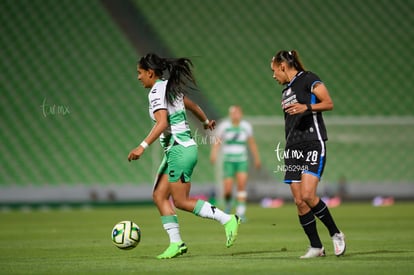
pixel 304 98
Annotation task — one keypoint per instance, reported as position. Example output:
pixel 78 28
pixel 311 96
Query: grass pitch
pixel 380 240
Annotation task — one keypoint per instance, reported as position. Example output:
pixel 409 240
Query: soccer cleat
pixel 231 228
pixel 174 250
pixel 339 243
pixel 314 252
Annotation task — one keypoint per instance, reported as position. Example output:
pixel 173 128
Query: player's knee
pixel 156 197
pixel 300 203
pixel 308 197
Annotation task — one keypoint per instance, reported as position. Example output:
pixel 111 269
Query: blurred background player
pixel 234 135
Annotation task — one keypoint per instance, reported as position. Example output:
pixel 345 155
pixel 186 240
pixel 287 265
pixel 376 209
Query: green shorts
pixel 179 163
pixel 230 169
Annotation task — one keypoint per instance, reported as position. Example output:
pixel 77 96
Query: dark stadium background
pixel 71 107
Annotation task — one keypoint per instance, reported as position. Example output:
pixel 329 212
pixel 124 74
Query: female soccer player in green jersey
pixel 167 108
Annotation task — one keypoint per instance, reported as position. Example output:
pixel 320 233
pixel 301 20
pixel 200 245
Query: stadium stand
pixel 71 107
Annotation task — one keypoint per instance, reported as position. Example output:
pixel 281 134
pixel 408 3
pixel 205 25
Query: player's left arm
pixel 325 102
pixel 255 152
pixel 199 113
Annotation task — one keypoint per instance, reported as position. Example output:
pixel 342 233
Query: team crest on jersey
pixel 288 91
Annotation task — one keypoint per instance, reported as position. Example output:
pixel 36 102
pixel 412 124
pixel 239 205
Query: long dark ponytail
pixel 291 58
pixel 178 71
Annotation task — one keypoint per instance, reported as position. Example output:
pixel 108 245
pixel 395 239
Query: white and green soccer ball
pixel 126 235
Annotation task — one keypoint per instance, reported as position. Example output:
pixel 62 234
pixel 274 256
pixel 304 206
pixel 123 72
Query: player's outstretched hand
pixel 211 125
pixel 135 153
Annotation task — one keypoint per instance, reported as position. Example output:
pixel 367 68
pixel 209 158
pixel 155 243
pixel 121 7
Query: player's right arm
pixel 158 106
pixel 161 123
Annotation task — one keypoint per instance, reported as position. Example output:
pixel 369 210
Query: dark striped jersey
pixel 308 125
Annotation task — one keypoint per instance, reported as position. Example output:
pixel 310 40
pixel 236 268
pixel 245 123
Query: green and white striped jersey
pixel 234 140
pixel 178 129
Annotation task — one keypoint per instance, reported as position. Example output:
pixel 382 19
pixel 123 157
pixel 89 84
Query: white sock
pixel 173 231
pixel 206 210
pixel 171 226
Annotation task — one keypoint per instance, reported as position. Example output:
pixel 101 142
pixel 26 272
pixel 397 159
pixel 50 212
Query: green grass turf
pixel 380 241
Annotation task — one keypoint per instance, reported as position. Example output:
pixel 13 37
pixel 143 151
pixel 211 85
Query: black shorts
pixel 304 158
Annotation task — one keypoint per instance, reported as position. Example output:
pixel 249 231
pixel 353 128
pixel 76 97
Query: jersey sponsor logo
pixel 154 91
pixel 289 101
pixel 235 137
pixel 155 102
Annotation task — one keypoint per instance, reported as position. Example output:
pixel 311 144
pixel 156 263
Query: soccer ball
pixel 126 235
